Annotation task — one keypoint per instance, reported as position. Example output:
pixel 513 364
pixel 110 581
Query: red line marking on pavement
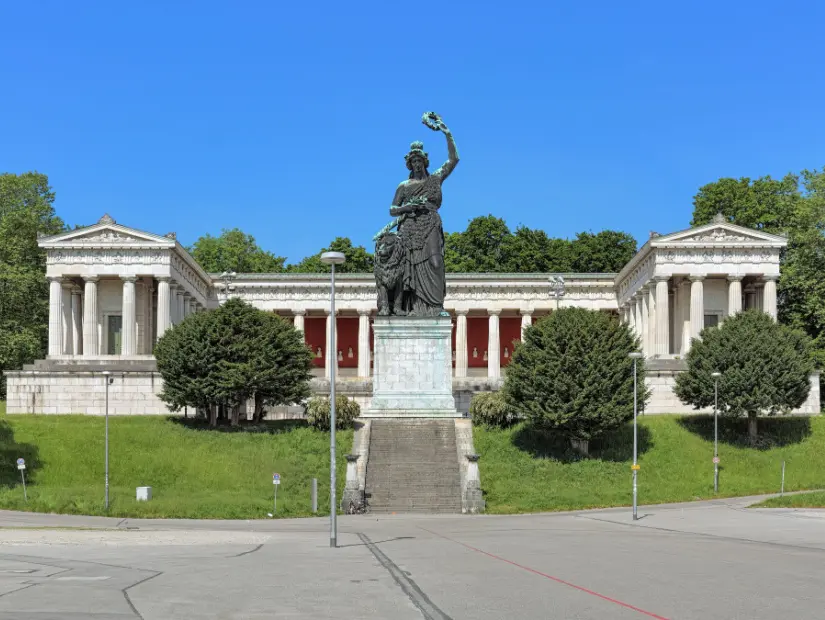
pixel 546 576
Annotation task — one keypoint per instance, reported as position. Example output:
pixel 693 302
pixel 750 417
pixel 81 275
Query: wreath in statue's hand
pixel 433 121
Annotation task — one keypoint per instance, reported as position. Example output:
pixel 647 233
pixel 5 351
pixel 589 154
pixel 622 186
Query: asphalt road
pixel 704 560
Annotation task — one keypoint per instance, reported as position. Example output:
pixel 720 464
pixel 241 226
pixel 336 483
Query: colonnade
pixel 74 313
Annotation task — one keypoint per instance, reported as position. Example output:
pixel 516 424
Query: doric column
pixel 461 343
pixel 298 320
pixel 697 305
pixel 759 296
pixel 55 316
pixel 734 295
pixel 364 343
pixel 332 351
pixel 77 321
pixel 493 356
pixel 67 345
pixel 90 343
pixel 128 312
pixel 181 299
pixel 637 317
pixel 526 321
pixel 651 319
pixel 164 320
pixel 662 340
pixel 173 303
pixel 193 305
pixel 769 296
pixel 148 315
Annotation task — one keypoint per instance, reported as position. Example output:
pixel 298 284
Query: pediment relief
pixel 108 235
pixel 718 233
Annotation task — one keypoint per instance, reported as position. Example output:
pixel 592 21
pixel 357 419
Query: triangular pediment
pixel 722 233
pixel 107 235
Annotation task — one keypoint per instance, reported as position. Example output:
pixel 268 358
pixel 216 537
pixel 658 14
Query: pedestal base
pixel 412 377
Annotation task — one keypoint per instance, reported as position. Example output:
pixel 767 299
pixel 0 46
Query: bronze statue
pixel 409 264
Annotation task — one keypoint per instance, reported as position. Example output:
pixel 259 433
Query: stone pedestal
pixel 412 377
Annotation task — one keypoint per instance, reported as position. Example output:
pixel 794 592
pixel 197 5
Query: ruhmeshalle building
pixel 114 290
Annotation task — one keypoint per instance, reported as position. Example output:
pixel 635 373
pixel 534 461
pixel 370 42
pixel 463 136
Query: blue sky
pixel 290 120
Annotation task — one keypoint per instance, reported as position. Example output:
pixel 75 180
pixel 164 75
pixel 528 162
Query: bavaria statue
pixel 409 251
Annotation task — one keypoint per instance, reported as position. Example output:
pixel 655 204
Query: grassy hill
pixel 522 472
pixel 195 472
pixel 807 500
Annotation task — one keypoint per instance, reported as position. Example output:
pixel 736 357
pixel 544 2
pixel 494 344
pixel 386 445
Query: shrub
pixel 346 411
pixel 572 374
pixel 765 368
pixel 490 409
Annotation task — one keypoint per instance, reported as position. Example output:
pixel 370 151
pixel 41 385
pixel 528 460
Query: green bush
pixel 572 374
pixel 490 409
pixel 346 411
pixel 765 368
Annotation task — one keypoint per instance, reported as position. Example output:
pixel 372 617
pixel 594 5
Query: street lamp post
pixel 557 288
pixel 107 380
pixel 635 356
pixel 227 277
pixel 716 376
pixel 332 259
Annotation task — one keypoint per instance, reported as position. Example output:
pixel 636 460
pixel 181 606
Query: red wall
pixel 348 339
pixel 509 329
pixel 478 329
pixel 315 335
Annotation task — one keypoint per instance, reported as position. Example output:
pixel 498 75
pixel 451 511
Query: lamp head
pixel 333 258
pixel 635 355
pixel 716 375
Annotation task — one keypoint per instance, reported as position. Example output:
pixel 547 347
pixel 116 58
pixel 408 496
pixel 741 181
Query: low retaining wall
pixel 135 392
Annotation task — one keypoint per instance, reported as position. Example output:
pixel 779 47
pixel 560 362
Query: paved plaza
pixel 705 560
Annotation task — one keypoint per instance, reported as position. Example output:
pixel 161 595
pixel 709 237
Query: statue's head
pixel 417 160
pixel 385 246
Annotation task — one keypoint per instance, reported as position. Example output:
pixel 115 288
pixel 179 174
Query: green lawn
pixel 806 500
pixel 194 472
pixel 521 472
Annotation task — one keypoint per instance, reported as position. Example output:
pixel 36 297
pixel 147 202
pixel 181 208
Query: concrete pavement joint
pixel 427 608
pixel 550 577
pixel 247 552
pixel 125 592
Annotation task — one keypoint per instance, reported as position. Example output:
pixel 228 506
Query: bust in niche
pixel 475 353
pixel 318 353
pixel 485 355
pixel 506 352
pixel 340 356
pixel 349 352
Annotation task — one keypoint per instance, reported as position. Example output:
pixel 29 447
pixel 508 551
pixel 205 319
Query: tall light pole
pixel 332 259
pixel 557 288
pixel 227 277
pixel 716 376
pixel 107 380
pixel 635 356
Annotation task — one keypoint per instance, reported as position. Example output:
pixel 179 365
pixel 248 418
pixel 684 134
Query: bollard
pixel 782 486
pixel 314 495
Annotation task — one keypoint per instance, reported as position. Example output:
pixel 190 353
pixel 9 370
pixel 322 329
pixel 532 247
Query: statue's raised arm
pixel 436 123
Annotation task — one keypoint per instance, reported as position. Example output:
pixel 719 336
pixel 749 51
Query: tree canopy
pixel 358 259
pixel 793 206
pixel 572 373
pixel 226 356
pixel 765 368
pixel 488 245
pixel 234 250
pixel 25 212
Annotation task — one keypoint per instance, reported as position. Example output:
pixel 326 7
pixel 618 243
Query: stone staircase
pixel 413 466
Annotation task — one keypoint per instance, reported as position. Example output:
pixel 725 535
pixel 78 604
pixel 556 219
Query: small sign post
pixel 716 460
pixel 276 481
pixel 21 465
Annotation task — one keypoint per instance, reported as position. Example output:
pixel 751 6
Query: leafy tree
pixel 604 252
pixel 318 412
pixel 572 374
pixel 532 251
pixel 491 409
pixel 765 368
pixel 229 355
pixel 26 211
pixel 358 260
pixel 485 246
pixel 793 206
pixel 234 251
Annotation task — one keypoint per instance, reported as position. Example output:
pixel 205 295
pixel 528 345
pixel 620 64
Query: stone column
pixel 148 315
pixel 90 341
pixel 526 321
pixel 638 324
pixel 55 316
pixel 651 319
pixel 181 300
pixel 77 321
pixel 461 343
pixel 734 295
pixel 769 296
pixel 164 320
pixel 332 351
pixel 66 319
pixel 128 312
pixel 697 305
pixel 662 346
pixel 759 296
pixel 298 320
pixel 493 341
pixel 364 343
